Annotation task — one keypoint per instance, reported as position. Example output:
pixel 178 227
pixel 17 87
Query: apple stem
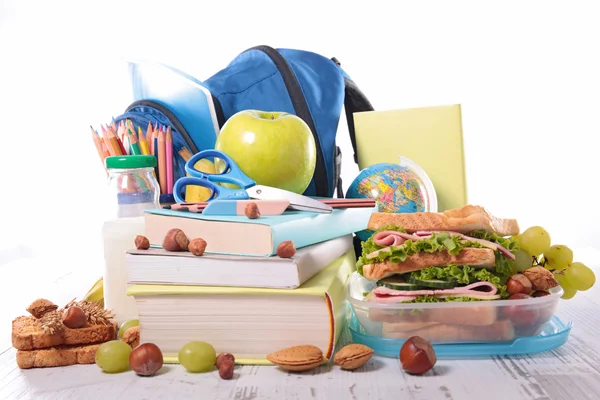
pixel 272 116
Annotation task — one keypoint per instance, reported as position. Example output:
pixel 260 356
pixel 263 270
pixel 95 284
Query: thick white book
pixel 157 266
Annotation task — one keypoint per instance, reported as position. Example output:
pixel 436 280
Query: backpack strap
pixel 354 101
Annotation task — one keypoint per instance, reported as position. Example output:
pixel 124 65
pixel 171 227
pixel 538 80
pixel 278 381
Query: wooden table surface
pixel 569 372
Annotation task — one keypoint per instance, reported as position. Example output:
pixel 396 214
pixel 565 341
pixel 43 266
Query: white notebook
pixel 157 266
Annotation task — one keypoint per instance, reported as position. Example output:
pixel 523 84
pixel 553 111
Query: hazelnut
pixel 540 293
pixel 541 278
pixel 197 246
pixel 74 317
pixel 518 283
pixel 417 356
pixel 224 356
pixel 175 240
pixel 132 336
pixel 41 307
pixel 226 369
pixel 142 242
pixel 521 315
pixel 146 359
pixel 252 211
pixel 286 249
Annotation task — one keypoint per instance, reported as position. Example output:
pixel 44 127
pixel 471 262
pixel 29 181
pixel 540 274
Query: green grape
pixel 523 260
pixel 113 356
pixel 569 292
pixel 558 256
pixel 580 277
pixel 197 357
pixel 128 324
pixel 535 240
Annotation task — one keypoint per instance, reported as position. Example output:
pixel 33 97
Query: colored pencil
pixel 169 160
pixel 149 132
pixel 143 142
pixel 119 142
pixel 155 153
pixel 111 142
pixel 185 153
pixel 98 144
pixel 133 143
pixel 162 163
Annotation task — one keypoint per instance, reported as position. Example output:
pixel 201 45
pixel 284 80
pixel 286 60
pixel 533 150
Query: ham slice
pixel 490 290
pixel 392 238
pixel 391 299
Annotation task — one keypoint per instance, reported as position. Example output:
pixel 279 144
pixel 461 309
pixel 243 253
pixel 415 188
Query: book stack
pixel 239 296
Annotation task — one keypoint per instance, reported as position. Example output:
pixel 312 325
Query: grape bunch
pixel 536 249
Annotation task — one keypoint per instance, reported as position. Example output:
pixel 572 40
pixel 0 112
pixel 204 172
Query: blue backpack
pixel 313 87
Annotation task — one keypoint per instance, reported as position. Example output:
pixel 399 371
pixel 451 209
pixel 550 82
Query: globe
pixel 396 189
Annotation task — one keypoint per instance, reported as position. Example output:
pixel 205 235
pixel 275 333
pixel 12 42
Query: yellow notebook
pixel 430 136
pixel 247 322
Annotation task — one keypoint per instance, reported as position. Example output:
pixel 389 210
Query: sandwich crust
pixel 27 334
pixel 464 220
pixel 57 356
pixel 468 256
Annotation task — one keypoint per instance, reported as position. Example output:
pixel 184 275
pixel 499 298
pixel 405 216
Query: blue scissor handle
pixel 217 191
pixel 232 173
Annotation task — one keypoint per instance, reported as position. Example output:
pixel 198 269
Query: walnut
pixel 541 278
pixel 40 307
pixel 132 336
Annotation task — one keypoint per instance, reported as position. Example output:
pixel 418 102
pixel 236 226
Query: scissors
pixel 248 189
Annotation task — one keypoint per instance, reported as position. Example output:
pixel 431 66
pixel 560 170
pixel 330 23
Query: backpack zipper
pixel 301 107
pixel 176 124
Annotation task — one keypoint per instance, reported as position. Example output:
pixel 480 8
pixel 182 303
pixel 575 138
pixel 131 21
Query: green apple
pixel 273 148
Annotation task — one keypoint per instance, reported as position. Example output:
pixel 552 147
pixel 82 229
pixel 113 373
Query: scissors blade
pixel 297 201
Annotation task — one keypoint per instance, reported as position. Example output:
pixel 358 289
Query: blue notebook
pixel 256 237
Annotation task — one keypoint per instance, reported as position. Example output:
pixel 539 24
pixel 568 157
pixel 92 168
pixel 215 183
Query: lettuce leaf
pixel 463 275
pixel 439 241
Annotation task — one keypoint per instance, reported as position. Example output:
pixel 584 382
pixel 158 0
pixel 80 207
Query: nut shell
pixel 286 249
pixel 141 242
pixel 226 369
pixel 132 336
pixel 417 356
pixel 541 278
pixel 197 246
pixel 41 307
pixel 251 210
pixel 222 357
pixel 297 358
pixel 353 356
pixel 175 240
pixel 74 317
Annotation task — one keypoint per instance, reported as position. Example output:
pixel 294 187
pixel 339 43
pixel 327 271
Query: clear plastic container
pixel 451 322
pixel 132 188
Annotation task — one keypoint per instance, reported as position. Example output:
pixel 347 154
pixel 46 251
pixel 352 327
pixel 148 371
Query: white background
pixel 526 73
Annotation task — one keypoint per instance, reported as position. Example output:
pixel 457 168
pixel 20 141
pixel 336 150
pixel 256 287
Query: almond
pixel 297 358
pixel 353 356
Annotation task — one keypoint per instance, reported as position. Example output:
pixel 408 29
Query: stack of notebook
pixel 239 295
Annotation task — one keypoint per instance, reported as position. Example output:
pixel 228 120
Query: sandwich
pixel 460 255
pixel 42 339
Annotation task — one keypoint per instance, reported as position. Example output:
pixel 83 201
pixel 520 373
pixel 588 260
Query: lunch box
pixel 489 321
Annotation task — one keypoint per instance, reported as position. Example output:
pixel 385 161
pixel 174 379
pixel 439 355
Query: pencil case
pixel 164 96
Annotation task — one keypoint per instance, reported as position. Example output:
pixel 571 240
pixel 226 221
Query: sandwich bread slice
pixel 57 356
pixel 28 334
